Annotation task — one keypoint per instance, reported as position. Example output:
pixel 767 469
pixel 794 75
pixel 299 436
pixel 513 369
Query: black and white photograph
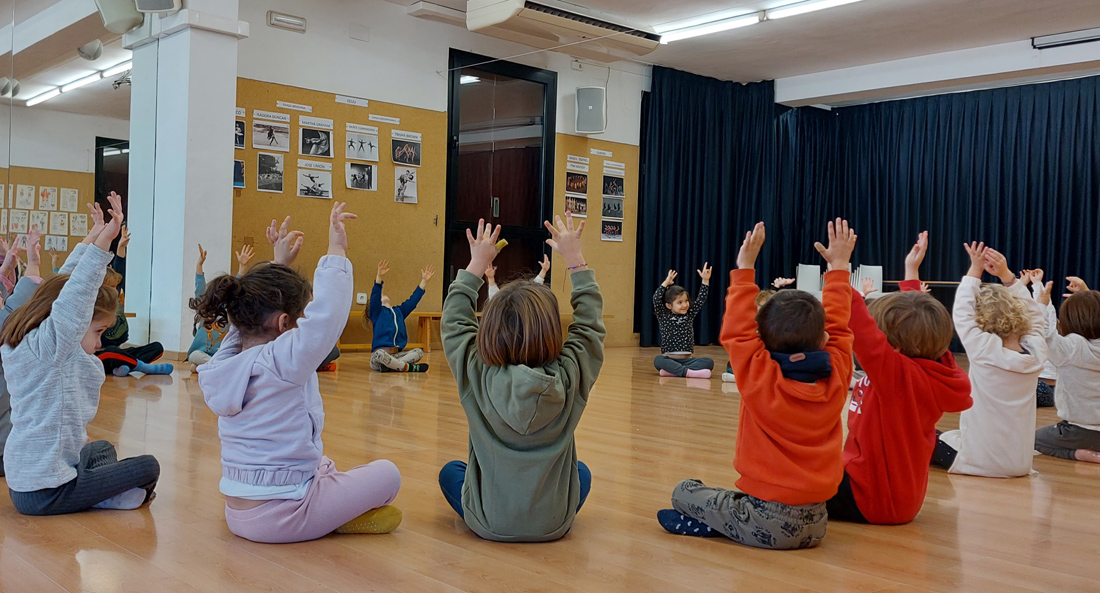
pixel 613 186
pixel 238 134
pixel 315 142
pixel 361 176
pixel 238 173
pixel 404 181
pixel 406 152
pixel 269 172
pixel 361 147
pixel 578 205
pixel 314 184
pixel 576 183
pixel 270 135
pixel 613 208
pixel 612 231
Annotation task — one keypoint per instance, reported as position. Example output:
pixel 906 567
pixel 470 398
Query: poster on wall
pixel 238 173
pixel 24 197
pixel 78 225
pixel 4 221
pixel 268 135
pixel 313 142
pixel 362 147
pixel 59 223
pixel 70 199
pixel 314 179
pixel 40 220
pixel 613 208
pixel 405 152
pixel 238 133
pixel 17 221
pixel 578 205
pixel 269 172
pixel 59 244
pixel 576 183
pixel 612 231
pixel 47 198
pixel 361 176
pixel 613 186
pixel 404 181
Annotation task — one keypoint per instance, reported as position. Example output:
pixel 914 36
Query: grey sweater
pixel 54 384
pixel 24 290
pixel 1077 396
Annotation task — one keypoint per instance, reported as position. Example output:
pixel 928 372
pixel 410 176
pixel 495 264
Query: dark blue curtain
pixel 1018 168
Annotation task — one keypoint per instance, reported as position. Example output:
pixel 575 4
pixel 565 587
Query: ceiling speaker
pixel 119 16
pixel 591 110
pixel 90 51
pixel 158 5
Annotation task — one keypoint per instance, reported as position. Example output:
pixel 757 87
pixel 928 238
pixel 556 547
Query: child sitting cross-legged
pixel 390 334
pixel 912 379
pixel 676 314
pixel 793 363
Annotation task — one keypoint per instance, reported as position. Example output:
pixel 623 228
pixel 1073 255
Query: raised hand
pixel 1037 276
pixel 483 247
pixel 97 223
pixel 976 251
pixel 243 257
pixel 11 260
pixel 916 257
pixel 111 228
pixel 996 264
pixel 1025 277
pixel 705 273
pixel 123 242
pixel 670 279
pixel 34 253
pixel 566 240
pixel 1075 285
pixel 287 243
pixel 781 282
pixel 842 242
pixel 273 230
pixel 544 265
pixel 383 269
pixel 1044 294
pixel 427 273
pixel 925 288
pixel 750 248
pixel 491 274
pixel 337 232
pixel 868 286
pixel 202 260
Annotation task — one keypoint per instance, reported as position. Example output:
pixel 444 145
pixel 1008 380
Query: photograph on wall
pixel 270 135
pixel 362 147
pixel 238 173
pixel 78 224
pixel 24 197
pixel 613 208
pixel 47 198
pixel 40 220
pixel 238 133
pixel 578 205
pixel 59 223
pixel 70 199
pixel 4 221
pixel 406 152
pixel 613 186
pixel 612 230
pixel 17 221
pixel 269 172
pixel 314 184
pixel 52 243
pixel 361 176
pixel 315 142
pixel 404 180
pixel 576 183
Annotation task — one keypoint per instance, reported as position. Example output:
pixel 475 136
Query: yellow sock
pixel 380 520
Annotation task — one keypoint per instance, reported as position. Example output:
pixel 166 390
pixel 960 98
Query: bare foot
pixel 1087 455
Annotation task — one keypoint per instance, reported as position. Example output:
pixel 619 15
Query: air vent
pixel 593 22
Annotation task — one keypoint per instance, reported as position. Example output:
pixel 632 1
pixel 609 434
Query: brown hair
pixel 520 325
pixel 763 297
pixel 791 321
pixel 1001 313
pixel 31 315
pixel 915 323
pixel 113 278
pixel 1080 314
pixel 673 292
pixel 247 302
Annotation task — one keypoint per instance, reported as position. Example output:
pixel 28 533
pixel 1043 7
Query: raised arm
pixel 410 303
pixel 374 308
pixel 974 340
pixel 704 291
pixel 739 335
pixel 583 348
pixel 458 328
pixel 871 347
pixel 836 295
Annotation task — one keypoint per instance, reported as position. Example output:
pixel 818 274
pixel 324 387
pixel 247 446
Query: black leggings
pixel 842 506
pixel 114 357
pixel 943 455
pixel 99 476
pixel 331 357
pixel 680 366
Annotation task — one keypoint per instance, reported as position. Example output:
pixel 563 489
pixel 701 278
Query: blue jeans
pixel 453 475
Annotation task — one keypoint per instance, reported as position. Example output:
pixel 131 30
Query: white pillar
pixel 181 162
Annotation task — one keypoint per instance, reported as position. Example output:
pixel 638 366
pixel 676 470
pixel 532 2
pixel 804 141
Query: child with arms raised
pixel 54 378
pixel 676 314
pixel 390 334
pixel 279 487
pixel 793 364
pixel 912 379
pixel 523 391
pixel 1002 329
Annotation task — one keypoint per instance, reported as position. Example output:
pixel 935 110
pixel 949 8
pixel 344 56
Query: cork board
pixel 84 183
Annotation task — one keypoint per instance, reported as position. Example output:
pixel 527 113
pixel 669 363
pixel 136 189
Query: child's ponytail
pixel 213 305
pixel 249 301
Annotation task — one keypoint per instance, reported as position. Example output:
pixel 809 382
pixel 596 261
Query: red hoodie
pixel 892 425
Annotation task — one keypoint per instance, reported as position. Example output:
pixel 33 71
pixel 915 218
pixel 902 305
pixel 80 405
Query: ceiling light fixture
pixel 467 79
pixel 46 96
pixel 118 69
pixel 712 27
pixel 81 82
pixel 804 7
pixel 1062 39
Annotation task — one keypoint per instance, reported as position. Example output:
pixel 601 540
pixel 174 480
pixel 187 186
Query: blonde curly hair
pixel 999 312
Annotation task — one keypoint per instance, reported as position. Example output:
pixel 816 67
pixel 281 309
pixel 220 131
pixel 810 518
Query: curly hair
pixel 999 312
pixel 762 297
pixel 247 302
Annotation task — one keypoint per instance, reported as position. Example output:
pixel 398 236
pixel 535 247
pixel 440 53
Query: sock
pixel 154 369
pixel 674 522
pixel 127 501
pixel 698 374
pixel 728 378
pixel 121 371
pixel 381 520
pixel 665 373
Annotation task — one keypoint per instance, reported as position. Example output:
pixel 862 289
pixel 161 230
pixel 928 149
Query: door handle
pixel 496 207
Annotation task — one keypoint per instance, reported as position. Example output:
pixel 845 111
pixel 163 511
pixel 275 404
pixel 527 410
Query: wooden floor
pixel 640 435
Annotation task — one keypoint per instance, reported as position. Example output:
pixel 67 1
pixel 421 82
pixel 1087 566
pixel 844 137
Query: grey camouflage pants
pixel 750 521
pixel 397 361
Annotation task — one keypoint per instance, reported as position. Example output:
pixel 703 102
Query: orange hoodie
pixel 789 434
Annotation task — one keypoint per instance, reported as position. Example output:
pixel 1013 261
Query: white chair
pixel 808 278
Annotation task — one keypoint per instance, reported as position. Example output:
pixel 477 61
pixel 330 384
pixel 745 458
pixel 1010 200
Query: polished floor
pixel 640 435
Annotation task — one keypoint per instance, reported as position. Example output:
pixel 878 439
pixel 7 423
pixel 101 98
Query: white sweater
pixel 1049 370
pixel 996 436
pixel 1077 396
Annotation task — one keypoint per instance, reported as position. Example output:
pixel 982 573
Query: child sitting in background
pixel 793 363
pixel 676 314
pixel 912 379
pixel 279 487
pixel 1073 337
pixel 540 278
pixel 1002 329
pixel 523 390
pixel 390 334
pixel 1044 390
pixel 208 334
pixel 54 378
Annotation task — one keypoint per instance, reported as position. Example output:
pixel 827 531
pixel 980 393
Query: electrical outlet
pixel 361 298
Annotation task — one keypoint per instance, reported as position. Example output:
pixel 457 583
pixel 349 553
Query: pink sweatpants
pixel 334 498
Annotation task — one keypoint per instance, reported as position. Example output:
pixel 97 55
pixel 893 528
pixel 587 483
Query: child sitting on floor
pixel 523 390
pixel 912 379
pixel 763 297
pixel 279 486
pixel 676 314
pixel 208 334
pixel 1073 337
pixel 1048 378
pixel 540 278
pixel 390 334
pixel 54 378
pixel 793 362
pixel 1002 329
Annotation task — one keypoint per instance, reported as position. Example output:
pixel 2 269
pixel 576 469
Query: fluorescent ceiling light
pixel 81 82
pixel 1071 38
pixel 119 69
pixel 804 7
pixel 712 27
pixel 467 79
pixel 46 96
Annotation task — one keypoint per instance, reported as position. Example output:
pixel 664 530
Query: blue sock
pixel 674 522
pixel 121 371
pixel 154 369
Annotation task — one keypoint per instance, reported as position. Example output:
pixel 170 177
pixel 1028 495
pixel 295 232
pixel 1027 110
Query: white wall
pixel 58 140
pixel 406 59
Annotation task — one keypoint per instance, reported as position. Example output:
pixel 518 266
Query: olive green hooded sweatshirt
pixel 521 480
